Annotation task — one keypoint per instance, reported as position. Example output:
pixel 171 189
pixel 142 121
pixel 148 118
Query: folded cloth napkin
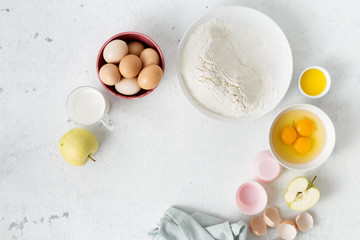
pixel 177 225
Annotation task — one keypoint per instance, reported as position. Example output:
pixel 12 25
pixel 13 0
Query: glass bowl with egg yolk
pixel 314 82
pixel 298 136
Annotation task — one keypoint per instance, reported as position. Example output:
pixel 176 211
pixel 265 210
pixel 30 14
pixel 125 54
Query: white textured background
pixel 163 152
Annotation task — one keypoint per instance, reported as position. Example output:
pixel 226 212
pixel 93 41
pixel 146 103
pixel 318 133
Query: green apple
pixel 301 194
pixel 77 146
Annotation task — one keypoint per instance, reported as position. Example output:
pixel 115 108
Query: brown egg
pixel 135 48
pixel 149 56
pixel 258 226
pixel 109 74
pixel 130 66
pixel 272 217
pixel 150 77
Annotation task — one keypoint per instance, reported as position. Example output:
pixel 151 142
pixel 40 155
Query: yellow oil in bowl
pixel 314 82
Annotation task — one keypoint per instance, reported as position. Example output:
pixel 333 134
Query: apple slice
pixel 301 194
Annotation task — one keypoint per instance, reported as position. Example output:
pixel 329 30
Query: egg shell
pixel 272 217
pixel 109 74
pixel 115 51
pixel 287 230
pixel 135 48
pixel 258 226
pixel 130 66
pixel 150 77
pixel 304 221
pixel 149 56
pixel 128 86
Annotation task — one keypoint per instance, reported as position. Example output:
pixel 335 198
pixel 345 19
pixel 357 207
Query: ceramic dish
pixel 329 142
pixel 129 37
pixel 282 64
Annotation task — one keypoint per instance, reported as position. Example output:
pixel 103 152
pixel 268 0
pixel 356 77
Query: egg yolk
pixel 302 145
pixel 288 135
pixel 313 82
pixel 305 127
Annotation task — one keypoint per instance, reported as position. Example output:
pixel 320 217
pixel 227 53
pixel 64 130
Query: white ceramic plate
pixel 330 138
pixel 282 64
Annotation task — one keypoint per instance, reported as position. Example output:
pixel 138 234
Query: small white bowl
pixel 328 82
pixel 330 138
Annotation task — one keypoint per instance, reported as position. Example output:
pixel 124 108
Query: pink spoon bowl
pixel 129 37
pixel 251 198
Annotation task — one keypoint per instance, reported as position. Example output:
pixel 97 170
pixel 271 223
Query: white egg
pixel 128 86
pixel 115 51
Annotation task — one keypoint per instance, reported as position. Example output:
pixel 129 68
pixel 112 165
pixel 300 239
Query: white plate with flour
pixel 234 64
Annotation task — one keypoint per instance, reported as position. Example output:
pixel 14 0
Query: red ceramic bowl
pixel 129 37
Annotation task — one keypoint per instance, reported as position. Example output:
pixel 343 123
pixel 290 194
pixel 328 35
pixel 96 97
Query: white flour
pixel 225 68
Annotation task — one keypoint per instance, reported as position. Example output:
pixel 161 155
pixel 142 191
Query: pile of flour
pixel 226 68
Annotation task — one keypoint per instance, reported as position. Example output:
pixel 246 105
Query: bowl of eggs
pixel 130 65
pixel 302 137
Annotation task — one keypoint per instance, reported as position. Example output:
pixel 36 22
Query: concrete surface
pixel 163 152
